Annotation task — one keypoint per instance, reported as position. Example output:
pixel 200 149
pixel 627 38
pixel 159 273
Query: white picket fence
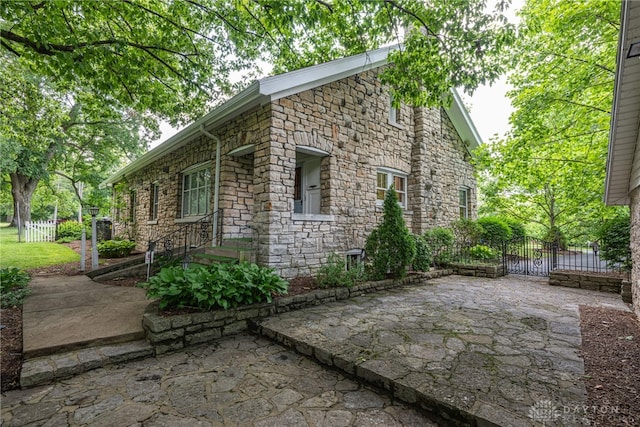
pixel 39 231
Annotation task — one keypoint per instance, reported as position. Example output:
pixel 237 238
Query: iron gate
pixel 534 257
pixel 530 256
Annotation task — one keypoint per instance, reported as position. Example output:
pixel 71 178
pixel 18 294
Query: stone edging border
pixel 170 333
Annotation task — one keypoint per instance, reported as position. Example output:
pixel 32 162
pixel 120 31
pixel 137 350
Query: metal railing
pixel 186 238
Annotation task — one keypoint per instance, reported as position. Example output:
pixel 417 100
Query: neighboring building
pixel 300 163
pixel 622 186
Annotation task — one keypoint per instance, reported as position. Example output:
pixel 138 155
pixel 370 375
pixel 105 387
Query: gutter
pixel 216 185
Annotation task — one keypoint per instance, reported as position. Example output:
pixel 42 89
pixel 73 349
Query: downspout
pixel 216 185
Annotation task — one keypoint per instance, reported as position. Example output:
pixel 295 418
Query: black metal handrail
pixel 188 237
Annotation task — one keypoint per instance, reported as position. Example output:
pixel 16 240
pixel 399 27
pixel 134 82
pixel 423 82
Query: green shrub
pixel 13 287
pixel 555 235
pixel 517 228
pixel 115 248
pixel 71 230
pixel 422 260
pixel 495 231
pixel 439 240
pixel 466 231
pixel 614 237
pixel 390 246
pixel 482 252
pixel 217 286
pixel 334 273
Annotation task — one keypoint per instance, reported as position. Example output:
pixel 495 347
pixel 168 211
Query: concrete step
pixel 241 242
pixel 116 267
pixel 44 370
pixel 208 259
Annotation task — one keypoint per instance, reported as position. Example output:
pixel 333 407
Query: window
pixel 196 193
pixel 385 179
pixel 307 192
pixel 155 197
pixel 132 207
pixel 464 202
pixel 394 113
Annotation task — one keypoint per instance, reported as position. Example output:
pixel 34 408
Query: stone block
pixel 166 347
pixel 611 288
pixel 165 336
pixel 204 336
pixel 155 323
pixel 235 328
pixel 36 372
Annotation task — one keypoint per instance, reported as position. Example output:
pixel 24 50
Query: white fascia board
pixel 293 82
pixel 462 121
pixel 616 196
pixel 241 102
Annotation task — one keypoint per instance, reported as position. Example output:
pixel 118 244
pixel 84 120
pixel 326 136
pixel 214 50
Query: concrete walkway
pixel 70 312
pixel 472 351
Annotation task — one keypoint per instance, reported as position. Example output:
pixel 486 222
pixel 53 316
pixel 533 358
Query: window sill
pixel 380 208
pixel 312 217
pixel 153 222
pixel 396 124
pixel 188 219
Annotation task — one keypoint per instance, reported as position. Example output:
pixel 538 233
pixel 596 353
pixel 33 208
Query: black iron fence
pixel 530 256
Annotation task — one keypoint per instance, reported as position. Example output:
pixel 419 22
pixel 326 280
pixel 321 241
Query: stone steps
pixel 46 369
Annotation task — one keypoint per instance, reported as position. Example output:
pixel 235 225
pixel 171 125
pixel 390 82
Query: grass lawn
pixel 31 255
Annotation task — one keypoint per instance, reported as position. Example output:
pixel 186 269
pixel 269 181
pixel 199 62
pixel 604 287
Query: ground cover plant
pixel 216 286
pixel 31 255
pixel 335 273
pixel 13 287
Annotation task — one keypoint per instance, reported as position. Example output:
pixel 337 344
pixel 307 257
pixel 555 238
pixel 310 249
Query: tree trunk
pixel 22 188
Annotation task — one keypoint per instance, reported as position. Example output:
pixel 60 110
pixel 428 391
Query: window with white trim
pixel 464 202
pixel 155 198
pixel 385 178
pixel 394 113
pixel 196 191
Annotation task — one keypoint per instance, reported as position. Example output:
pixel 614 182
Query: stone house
pixel 299 164
pixel 622 186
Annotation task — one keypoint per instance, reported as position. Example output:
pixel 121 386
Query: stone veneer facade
pixel 635 249
pixel 349 119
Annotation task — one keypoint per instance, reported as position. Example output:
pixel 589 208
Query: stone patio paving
pixel 475 351
pixel 480 350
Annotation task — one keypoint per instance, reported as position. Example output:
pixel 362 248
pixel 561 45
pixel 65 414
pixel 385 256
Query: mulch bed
pixel 611 352
pixel 10 347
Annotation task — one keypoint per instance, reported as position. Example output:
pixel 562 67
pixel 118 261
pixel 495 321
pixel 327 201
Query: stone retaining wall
pixel 168 333
pixel 491 271
pixel 590 281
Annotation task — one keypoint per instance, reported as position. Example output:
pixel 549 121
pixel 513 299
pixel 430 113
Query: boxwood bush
pixel 115 248
pixel 216 286
pixel 334 273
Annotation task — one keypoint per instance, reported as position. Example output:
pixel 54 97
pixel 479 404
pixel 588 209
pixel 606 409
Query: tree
pixel 176 58
pixel 72 134
pixel 550 168
pixel 173 60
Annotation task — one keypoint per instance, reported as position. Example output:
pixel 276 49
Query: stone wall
pixel 635 249
pixel 349 120
pixel 589 281
pixel 492 271
pixel 168 333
